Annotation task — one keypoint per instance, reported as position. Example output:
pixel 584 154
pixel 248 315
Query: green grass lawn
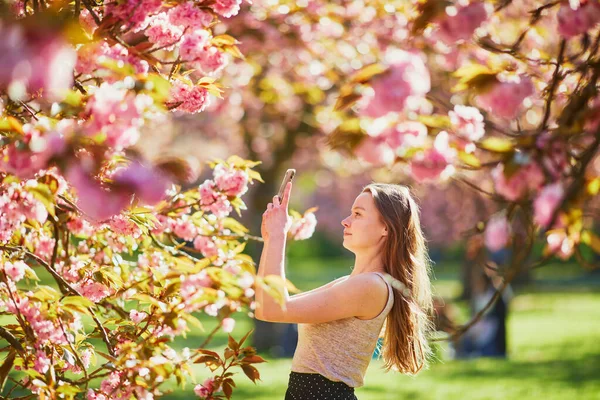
pixel 552 334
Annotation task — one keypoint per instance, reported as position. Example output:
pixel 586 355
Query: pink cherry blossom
pixel 185 229
pixel 162 32
pixel 134 14
pixel 42 363
pixel 117 113
pixel 560 244
pixel 193 99
pixel 220 208
pixel 461 25
pixel 505 99
pixel 407 77
pixel 497 233
pixel 228 324
pixel 193 45
pixel 231 181
pixel 430 164
pixel 227 8
pixel 575 21
pixel 190 16
pixel 304 227
pixel 545 204
pixel 526 179
pixel 406 135
pixel 121 225
pixel 206 246
pixel 15 270
pixel 137 316
pixel 467 122
pixel 208 195
pixel 212 310
pixel 94 291
pixel 149 184
pixel 375 150
pixel 93 200
pixel 34 59
pixel 210 61
pixel 92 55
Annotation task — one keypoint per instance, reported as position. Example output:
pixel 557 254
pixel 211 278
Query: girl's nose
pixel 344 223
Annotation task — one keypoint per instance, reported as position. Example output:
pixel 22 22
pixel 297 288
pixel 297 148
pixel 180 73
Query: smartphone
pixel 289 175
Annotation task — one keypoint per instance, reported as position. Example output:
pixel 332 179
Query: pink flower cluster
pixel 91 56
pixel 406 77
pixel 382 148
pixel 561 245
pixel 497 233
pixel 162 32
pixel 192 289
pixel 573 21
pixel 95 202
pixel 33 151
pixel 303 228
pixel 17 205
pixel 227 8
pixel 45 330
pixel 206 388
pixel 231 181
pixel 467 122
pixel 137 316
pixel 505 98
pixel 430 164
pixel 188 15
pixel 14 270
pixel 98 203
pixel 117 113
pixel 206 246
pixel 134 14
pixel 457 25
pixel 148 183
pixel 527 179
pixel 35 59
pixel 546 203
pixel 123 226
pixel 193 99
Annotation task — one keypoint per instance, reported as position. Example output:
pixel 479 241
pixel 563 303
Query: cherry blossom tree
pixel 109 228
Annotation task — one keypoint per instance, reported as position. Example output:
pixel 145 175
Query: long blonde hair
pixel 405 347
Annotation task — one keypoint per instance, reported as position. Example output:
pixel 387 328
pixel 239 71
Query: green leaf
pixel 79 301
pixel 43 194
pixel 435 121
pixel 365 74
pixel 475 77
pixel 254 175
pixel 469 159
pixel 6 367
pixel 234 225
pixel 591 239
pixel 496 144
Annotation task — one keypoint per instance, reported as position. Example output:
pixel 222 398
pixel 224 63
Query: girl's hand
pixel 276 222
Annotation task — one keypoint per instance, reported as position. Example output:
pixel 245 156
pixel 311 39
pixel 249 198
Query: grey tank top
pixel 340 350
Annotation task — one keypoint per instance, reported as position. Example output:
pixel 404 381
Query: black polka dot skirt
pixel 304 386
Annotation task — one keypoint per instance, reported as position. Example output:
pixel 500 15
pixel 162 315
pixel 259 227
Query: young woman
pixel 387 295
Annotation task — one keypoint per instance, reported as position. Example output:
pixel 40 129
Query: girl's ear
pixel 385 232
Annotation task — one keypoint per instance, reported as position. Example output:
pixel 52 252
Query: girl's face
pixel 363 228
